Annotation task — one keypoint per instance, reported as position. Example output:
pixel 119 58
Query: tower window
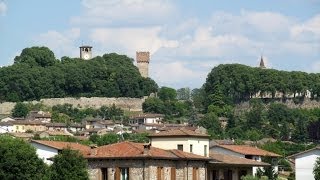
pixel 86 50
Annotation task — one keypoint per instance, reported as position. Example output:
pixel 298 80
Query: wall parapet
pixel 130 104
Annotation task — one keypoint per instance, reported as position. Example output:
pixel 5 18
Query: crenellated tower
pixel 143 59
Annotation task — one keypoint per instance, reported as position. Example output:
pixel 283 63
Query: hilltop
pixel 37 74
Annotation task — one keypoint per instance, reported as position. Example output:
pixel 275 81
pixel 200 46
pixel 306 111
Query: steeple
pixel 262 66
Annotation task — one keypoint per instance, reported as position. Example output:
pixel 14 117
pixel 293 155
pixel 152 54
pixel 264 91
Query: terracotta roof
pixel 85 150
pixel 56 125
pixel 136 150
pixel 224 159
pixel 248 150
pixel 57 133
pixel 178 132
pixel 297 154
pixel 28 122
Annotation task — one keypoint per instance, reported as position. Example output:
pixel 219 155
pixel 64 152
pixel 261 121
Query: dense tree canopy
pixel 239 82
pixel 18 160
pixel 37 74
pixel 20 110
pixel 69 164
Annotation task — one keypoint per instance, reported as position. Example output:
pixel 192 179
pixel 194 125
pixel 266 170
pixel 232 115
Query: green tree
pixel 107 139
pixel 18 160
pixel 198 98
pixel 316 169
pixel 166 93
pixel 211 123
pixel 41 56
pixel 69 164
pixel 183 93
pixel 20 110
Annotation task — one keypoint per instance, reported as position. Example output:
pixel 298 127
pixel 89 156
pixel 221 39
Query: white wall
pixel 45 152
pixel 305 163
pixel 6 129
pixel 172 143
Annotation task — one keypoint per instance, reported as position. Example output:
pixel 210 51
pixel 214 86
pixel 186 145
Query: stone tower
pixel 143 59
pixel 261 65
pixel 86 52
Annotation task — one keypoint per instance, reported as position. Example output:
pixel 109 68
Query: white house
pixel 304 163
pixel 248 152
pixel 48 149
pixel 147 121
pixel 182 139
pixel 6 127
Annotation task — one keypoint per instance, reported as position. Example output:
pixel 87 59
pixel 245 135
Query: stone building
pixel 143 59
pixel 137 161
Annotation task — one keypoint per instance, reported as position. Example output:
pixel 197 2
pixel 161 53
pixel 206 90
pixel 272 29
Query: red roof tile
pixel 85 150
pixel 233 160
pixel 136 150
pixel 178 132
pixel 248 150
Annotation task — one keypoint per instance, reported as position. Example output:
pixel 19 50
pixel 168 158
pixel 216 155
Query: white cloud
pixel 311 27
pixel 3 8
pixel 130 40
pixel 176 74
pixel 62 43
pixel 97 12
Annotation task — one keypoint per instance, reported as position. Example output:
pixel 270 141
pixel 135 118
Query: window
pixel 180 147
pixel 191 148
pixel 195 173
pixel 122 173
pixel 205 150
pixel 104 173
pixel 173 173
pixel 160 173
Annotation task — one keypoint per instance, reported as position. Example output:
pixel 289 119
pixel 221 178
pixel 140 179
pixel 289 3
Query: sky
pixel 186 38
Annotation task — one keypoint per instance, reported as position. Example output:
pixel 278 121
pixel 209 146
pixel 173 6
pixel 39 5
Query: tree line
pixel 240 83
pixel 19 160
pixel 36 74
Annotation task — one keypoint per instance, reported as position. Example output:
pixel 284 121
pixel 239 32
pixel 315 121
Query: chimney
pixel 93 150
pixel 146 148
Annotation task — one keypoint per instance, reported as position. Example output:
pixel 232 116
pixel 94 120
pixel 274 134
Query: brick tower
pixel 143 59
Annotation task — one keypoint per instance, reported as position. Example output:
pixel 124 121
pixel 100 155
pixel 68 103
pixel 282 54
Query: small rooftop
pixel 247 150
pixel 59 145
pixel 223 159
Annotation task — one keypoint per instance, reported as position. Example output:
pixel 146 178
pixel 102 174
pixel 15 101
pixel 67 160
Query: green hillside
pixel 37 74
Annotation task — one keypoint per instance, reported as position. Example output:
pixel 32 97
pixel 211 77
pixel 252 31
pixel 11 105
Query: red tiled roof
pixel 62 145
pixel 233 160
pixel 136 150
pixel 248 150
pixel 178 132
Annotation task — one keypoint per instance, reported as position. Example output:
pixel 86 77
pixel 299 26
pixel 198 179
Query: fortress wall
pixel 131 104
pixel 306 104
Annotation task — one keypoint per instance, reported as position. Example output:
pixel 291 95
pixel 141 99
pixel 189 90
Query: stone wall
pixel 140 169
pixel 131 104
pixel 305 104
